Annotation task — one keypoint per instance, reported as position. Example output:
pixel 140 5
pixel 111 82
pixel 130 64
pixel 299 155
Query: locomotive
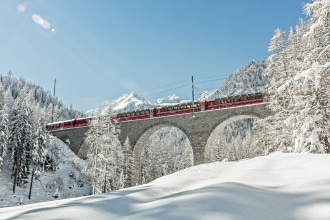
pixel 184 108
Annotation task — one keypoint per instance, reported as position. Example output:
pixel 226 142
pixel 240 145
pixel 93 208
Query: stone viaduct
pixel 198 127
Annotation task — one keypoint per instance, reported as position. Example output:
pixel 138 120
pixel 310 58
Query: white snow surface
pixel 278 186
pixel 68 181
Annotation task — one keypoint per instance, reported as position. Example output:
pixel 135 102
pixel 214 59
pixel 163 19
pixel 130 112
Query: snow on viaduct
pixel 198 127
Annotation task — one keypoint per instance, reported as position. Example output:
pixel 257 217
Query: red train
pixel 185 108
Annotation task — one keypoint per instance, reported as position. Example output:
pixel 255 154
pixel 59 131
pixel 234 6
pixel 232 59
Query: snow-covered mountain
pixel 127 103
pixel 247 79
pixel 132 102
pixel 170 100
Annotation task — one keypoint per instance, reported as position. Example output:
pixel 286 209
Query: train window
pixel 84 120
pixel 251 96
pixel 258 96
pixel 217 101
pixel 243 97
pixel 147 112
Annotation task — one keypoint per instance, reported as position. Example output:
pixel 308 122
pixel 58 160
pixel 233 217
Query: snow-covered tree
pixel 4 132
pixel 299 91
pixel 234 142
pixel 95 149
pixel 104 153
pixel 21 139
pixel 2 96
pixel 128 165
pixel 39 153
pixel 167 151
pixel 43 100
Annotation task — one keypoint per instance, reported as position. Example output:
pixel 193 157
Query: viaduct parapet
pixel 198 127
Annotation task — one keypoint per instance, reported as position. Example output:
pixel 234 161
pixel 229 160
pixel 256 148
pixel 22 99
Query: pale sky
pixel 99 50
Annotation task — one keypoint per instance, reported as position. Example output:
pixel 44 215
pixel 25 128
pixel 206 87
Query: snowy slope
pixel 68 181
pixel 278 186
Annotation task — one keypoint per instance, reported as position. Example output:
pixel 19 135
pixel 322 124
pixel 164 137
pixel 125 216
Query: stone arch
pixel 137 149
pixel 220 126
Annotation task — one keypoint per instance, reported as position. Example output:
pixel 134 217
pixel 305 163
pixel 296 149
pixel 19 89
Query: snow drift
pixel 278 186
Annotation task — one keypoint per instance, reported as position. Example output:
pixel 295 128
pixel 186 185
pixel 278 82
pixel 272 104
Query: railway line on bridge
pixel 198 126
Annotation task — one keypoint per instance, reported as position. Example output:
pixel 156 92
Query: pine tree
pixel 21 139
pixel 104 153
pixel 39 153
pixel 128 163
pixel 2 96
pixel 4 133
pixel 168 151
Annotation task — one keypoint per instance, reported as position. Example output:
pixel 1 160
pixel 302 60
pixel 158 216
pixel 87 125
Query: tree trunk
pixel 32 175
pixel 327 145
pixel 15 178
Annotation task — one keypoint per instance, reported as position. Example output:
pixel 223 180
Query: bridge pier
pixel 75 138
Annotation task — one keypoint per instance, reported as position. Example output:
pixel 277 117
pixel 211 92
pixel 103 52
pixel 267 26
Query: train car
pixel 60 125
pixel 234 101
pixel 134 115
pixel 177 109
pixel 81 122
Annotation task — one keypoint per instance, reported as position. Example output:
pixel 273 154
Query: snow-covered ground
pixel 68 181
pixel 278 186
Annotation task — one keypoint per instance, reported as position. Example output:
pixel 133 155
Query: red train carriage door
pixel 153 112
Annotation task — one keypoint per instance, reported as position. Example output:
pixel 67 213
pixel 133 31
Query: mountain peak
pixel 172 99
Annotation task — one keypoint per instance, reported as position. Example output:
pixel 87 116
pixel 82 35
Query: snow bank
pixel 278 186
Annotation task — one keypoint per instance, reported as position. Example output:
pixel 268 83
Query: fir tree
pixel 39 153
pixel 4 133
pixel 104 153
pixel 128 163
pixel 21 139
